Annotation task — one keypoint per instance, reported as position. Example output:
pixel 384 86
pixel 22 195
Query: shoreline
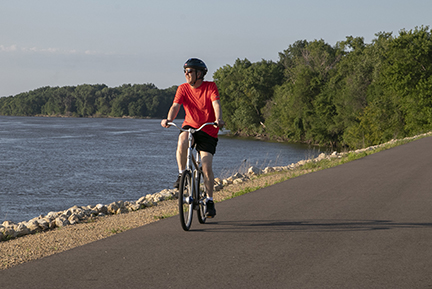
pixel 41 243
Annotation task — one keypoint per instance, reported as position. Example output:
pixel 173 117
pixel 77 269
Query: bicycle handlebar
pixel 195 129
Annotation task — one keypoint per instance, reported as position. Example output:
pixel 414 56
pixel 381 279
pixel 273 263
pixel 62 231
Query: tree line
pixel 138 100
pixel 352 94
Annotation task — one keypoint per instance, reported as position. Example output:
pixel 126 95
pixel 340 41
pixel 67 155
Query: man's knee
pixel 207 162
pixel 182 143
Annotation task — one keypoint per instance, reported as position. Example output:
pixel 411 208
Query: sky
pixel 68 43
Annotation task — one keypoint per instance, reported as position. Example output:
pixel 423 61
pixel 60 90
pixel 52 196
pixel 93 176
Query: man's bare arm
pixel 218 113
pixel 172 114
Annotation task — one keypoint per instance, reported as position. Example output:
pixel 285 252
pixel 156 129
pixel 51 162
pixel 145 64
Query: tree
pixel 407 77
pixel 245 89
pixel 301 110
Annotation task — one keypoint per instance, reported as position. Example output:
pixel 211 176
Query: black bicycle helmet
pixel 196 64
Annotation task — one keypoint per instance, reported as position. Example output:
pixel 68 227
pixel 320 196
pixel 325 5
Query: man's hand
pixel 164 123
pixel 220 123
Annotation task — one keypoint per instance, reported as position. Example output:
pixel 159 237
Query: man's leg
pixel 207 163
pixel 181 155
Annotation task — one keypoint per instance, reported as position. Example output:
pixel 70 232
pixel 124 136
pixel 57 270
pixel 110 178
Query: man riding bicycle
pixel 201 103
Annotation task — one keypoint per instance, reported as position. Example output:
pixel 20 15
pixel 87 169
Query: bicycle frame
pixel 191 160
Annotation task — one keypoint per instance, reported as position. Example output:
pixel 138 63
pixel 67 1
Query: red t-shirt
pixel 198 106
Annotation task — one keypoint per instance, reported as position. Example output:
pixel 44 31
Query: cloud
pixel 50 50
pixel 8 48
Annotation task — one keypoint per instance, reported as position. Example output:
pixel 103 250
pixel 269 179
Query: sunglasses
pixel 188 70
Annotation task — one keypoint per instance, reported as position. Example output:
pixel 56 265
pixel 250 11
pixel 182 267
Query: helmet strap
pixel 196 76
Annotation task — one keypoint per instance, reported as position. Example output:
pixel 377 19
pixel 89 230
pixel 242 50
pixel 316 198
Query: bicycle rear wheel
pixel 202 195
pixel 185 200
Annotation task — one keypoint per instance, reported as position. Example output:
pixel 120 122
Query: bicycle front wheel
pixel 185 200
pixel 202 195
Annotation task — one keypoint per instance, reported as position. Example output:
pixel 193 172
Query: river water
pixel 52 164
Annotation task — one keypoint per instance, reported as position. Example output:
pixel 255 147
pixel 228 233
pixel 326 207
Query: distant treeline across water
pixel 138 100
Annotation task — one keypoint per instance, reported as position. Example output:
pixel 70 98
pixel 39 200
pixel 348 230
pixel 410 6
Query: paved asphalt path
pixel 364 224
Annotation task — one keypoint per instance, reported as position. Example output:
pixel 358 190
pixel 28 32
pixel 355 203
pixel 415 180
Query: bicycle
pixel 192 192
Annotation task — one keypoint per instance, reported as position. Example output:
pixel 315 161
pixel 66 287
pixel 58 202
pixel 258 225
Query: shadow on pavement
pixel 310 225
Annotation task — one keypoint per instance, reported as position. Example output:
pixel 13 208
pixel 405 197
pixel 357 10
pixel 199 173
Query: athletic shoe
pixel 177 183
pixel 211 211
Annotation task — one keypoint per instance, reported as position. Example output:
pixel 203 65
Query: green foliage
pixel 117 230
pixel 302 110
pixel 407 79
pixel 353 94
pixel 398 98
pixel 139 100
pixel 245 191
pixel 245 89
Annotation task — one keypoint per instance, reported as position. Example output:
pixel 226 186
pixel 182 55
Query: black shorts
pixel 203 141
